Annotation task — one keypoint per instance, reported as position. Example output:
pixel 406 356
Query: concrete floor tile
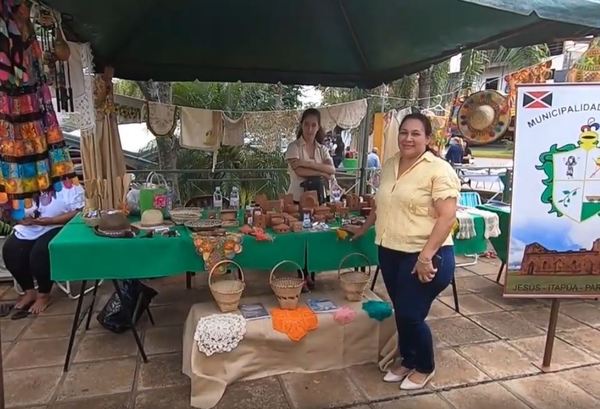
pixel 587 339
pixel 471 304
pixel 161 340
pixel 463 272
pixel 506 325
pixel 551 391
pixel 88 380
pixel 31 386
pixel 499 359
pixel 262 393
pixel 454 370
pixel 5 349
pixel 106 345
pixel 587 378
pixel 431 401
pixel 321 390
pixel 488 396
pixel 170 315
pixel 49 327
pixel 540 317
pixel 36 353
pixel 584 312
pixel 456 331
pixel 12 329
pixel 482 268
pixel 441 310
pixel 476 284
pixel 62 306
pixel 564 355
pixel 169 398
pixel 161 372
pixel 120 401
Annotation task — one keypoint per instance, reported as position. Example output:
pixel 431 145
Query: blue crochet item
pixel 378 310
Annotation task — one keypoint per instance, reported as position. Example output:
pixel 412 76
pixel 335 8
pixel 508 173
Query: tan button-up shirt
pixel 405 212
pixel 297 150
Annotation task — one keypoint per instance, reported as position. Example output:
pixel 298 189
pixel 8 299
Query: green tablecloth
pixel 474 245
pixel 500 243
pixel 76 253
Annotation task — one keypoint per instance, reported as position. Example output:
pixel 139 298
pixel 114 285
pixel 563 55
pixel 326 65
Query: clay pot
pixel 281 228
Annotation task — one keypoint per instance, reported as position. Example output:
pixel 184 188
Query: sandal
pixel 5 309
pixel 21 312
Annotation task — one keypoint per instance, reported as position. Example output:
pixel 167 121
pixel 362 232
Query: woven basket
pixel 287 289
pixel 227 293
pixel 354 282
pixel 185 214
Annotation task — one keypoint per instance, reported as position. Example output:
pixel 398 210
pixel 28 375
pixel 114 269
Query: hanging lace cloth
pixel 234 131
pixel 346 116
pixel 161 118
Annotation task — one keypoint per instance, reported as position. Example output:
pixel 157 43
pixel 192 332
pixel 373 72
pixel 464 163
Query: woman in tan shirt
pixel 306 156
pixel 415 211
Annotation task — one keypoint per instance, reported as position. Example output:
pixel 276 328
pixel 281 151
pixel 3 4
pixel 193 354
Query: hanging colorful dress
pixel 34 157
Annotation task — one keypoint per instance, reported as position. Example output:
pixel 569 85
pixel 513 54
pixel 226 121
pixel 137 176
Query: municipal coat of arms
pixel 573 176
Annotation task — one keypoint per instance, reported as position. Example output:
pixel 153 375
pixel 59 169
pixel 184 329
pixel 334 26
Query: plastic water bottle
pixel 306 222
pixel 234 198
pixel 218 198
pixel 336 191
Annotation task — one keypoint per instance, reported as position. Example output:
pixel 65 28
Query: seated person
pixel 25 251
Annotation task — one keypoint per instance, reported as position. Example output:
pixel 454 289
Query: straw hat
pixel 152 219
pixel 484 117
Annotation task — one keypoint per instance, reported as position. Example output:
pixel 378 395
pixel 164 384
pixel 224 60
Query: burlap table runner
pixel 264 352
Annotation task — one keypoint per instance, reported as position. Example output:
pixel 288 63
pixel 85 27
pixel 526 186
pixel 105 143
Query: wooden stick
pixel 550 335
pixel 1 378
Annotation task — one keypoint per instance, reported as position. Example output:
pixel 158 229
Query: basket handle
pixel 220 263
pixel 350 255
pixel 282 263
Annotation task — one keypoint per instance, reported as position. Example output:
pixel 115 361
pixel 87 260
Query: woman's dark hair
pixel 424 119
pixel 320 136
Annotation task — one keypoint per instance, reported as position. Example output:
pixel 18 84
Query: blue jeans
pixel 412 301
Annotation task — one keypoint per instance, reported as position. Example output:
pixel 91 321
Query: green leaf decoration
pixel 546 166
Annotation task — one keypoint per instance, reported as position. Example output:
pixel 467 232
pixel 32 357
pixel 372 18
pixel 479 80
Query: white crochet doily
pixel 219 333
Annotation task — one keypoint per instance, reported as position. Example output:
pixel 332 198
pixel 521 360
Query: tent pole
pixel 364 130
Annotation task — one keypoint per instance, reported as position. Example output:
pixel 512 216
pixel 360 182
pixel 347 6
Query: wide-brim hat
pixel 484 117
pixel 114 224
pixel 152 219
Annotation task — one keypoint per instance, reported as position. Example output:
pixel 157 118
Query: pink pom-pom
pixel 345 315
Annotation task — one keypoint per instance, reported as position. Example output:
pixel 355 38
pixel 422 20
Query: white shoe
pixel 409 385
pixel 391 377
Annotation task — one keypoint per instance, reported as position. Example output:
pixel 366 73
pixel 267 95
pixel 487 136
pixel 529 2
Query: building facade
pixel 538 260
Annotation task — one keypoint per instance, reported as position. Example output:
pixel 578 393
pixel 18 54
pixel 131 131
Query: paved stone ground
pixel 488 356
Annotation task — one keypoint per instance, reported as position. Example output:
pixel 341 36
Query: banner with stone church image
pixel 554 243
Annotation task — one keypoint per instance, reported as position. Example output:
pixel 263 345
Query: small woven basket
pixel 354 282
pixel 287 289
pixel 227 293
pixel 185 214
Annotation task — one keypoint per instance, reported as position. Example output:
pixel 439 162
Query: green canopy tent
pixel 328 42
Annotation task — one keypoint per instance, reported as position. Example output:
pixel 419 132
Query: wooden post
pixel 550 335
pixel 1 377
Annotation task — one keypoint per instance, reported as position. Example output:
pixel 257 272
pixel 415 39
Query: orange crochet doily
pixel 294 323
